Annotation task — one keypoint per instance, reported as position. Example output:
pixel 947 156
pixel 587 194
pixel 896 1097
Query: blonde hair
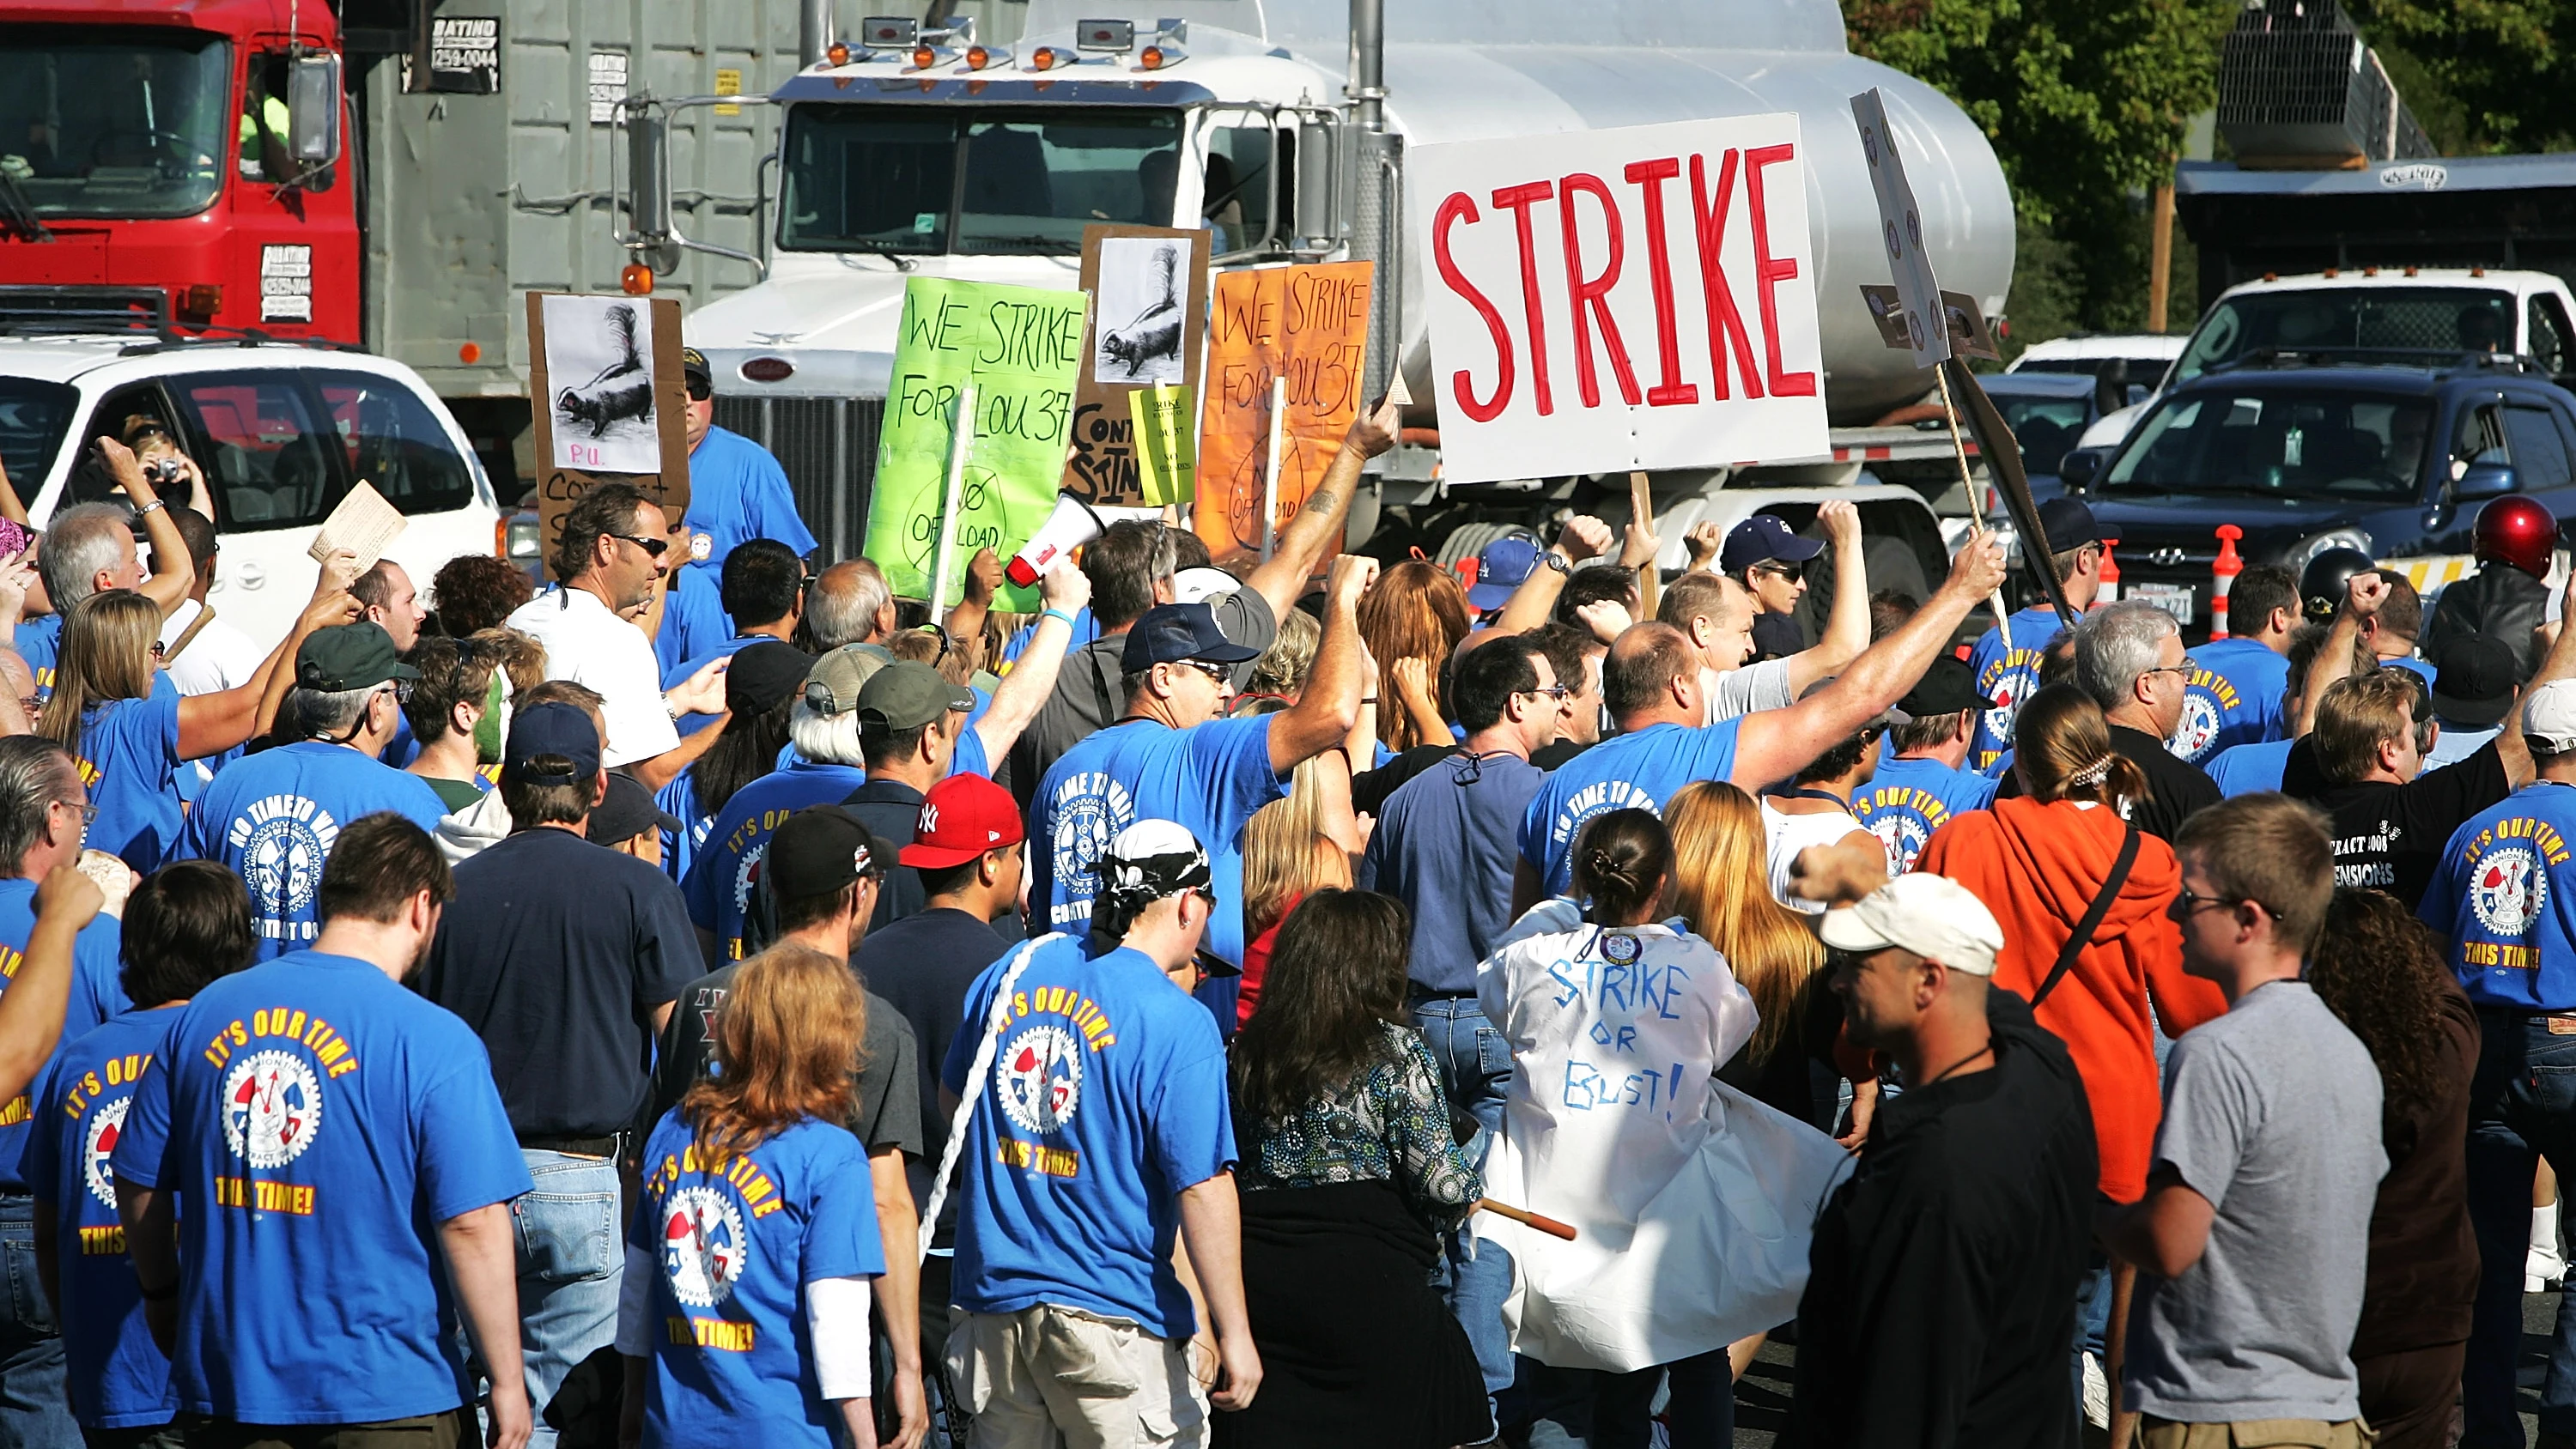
pixel 1282 670
pixel 1286 854
pixel 1722 859
pixel 1415 610
pixel 522 658
pixel 787 1048
pixel 106 655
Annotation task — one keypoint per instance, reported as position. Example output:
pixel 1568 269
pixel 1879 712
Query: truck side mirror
pixel 313 110
pixel 2484 480
pixel 2080 466
pixel 1319 166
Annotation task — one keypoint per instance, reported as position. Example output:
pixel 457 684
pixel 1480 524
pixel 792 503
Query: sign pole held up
pixel 1959 448
pixel 961 442
pixel 1270 473
pixel 1650 576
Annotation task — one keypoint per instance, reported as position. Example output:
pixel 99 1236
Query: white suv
pixel 282 430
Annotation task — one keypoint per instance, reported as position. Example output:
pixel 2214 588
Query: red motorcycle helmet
pixel 2518 531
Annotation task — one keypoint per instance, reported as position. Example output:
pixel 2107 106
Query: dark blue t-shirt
pixel 129 754
pixel 738 492
pixel 273 818
pixel 693 617
pixel 1106 1098
pixel 1641 769
pixel 2232 698
pixel 1209 778
pixel 95 997
pixel 2247 769
pixel 1445 845
pixel 718 883
pixel 2006 678
pixel 737 1241
pixel 318 1122
pixel 2504 901
pixel 119 1378
pixel 40 643
pixel 1904 801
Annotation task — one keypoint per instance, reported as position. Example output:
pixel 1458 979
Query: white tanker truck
pixel 1280 125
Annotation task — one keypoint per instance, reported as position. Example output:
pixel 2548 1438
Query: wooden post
pixel 1959 449
pixel 1650 577
pixel 961 440
pixel 1270 474
pixel 2160 254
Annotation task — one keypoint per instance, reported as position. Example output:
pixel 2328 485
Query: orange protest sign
pixel 1309 325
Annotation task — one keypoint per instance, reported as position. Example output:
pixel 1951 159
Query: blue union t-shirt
pixel 95 997
pixel 1105 1100
pixel 2246 769
pixel 736 1243
pixel 128 754
pixel 2007 677
pixel 718 882
pixel 1904 801
pixel 318 1122
pixel 1638 770
pixel 2232 698
pixel 119 1378
pixel 1209 778
pixel 273 817
pixel 2504 898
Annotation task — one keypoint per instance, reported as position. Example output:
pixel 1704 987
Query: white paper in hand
pixel 364 524
pixel 1396 392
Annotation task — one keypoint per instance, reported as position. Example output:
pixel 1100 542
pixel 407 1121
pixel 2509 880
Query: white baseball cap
pixel 1932 916
pixel 2549 715
pixel 1198 586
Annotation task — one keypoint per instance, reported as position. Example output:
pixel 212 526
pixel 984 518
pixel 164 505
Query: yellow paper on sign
pixel 1167 442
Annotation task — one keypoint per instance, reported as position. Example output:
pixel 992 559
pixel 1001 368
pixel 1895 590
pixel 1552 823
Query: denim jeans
pixel 570 1262
pixel 1475 1070
pixel 2522 1105
pixel 35 1412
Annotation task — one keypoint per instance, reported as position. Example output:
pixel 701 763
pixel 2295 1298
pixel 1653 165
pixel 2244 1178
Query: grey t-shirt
pixel 1739 692
pixel 2271 1113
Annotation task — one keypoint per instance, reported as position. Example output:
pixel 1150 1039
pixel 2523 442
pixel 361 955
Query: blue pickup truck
pixel 2308 453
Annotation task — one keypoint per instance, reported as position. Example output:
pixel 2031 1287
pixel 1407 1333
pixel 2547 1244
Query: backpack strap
pixel 2082 936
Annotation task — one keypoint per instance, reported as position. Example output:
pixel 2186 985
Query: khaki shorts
pixel 2155 1433
pixel 1050 1376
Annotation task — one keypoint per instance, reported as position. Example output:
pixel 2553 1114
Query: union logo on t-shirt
pixel 272 1108
pixel 281 842
pixel 704 1246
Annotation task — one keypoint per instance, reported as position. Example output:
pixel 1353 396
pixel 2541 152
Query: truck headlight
pixel 2305 551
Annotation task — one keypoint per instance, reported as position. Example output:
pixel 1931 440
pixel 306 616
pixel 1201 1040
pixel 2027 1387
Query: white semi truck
pixel 1280 125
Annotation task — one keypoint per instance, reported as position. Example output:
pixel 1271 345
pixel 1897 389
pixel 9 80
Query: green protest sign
pixel 1021 348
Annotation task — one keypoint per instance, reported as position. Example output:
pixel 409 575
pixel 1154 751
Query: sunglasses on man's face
pixel 653 547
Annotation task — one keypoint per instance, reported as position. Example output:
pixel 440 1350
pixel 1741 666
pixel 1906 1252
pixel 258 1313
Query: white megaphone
pixel 1072 525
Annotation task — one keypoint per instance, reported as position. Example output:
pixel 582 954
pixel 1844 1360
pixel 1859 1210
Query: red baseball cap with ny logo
pixel 962 817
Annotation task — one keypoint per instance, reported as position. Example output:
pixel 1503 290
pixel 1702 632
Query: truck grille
pixel 43 308
pixel 828 445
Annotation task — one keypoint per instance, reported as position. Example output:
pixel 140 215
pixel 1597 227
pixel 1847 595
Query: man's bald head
pixel 850 604
pixel 1637 677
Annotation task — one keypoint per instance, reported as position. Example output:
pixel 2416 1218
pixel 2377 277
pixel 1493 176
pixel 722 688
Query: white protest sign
pixel 1622 299
pixel 1900 227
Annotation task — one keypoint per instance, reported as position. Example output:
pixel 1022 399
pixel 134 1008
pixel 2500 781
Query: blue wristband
pixel 1057 614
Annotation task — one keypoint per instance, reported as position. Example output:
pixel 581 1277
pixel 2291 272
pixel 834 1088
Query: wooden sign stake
pixel 961 440
pixel 1959 447
pixel 1270 474
pixel 1650 577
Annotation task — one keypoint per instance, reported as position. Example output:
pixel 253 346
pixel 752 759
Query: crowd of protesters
pixel 1291 1001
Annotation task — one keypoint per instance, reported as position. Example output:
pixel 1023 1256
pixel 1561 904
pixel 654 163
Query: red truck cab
pixel 145 167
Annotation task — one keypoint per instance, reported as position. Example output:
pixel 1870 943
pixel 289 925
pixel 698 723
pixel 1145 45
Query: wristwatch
pixel 1556 561
pixel 148 507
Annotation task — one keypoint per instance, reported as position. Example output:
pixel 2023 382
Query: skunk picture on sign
pixel 1611 300
pixel 599 364
pixel 1144 282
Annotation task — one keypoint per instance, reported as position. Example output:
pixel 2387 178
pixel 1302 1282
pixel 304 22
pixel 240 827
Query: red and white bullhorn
pixel 1072 525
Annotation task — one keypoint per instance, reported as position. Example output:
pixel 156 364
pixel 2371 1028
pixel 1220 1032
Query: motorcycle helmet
pixel 2329 574
pixel 2518 531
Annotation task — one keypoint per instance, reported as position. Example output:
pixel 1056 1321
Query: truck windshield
pixel 33 417
pixel 1003 179
pixel 2303 445
pixel 2438 320
pixel 114 122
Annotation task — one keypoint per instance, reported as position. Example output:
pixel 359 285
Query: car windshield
pixel 2045 426
pixel 133 127
pixel 33 417
pixel 2304 445
pixel 2343 320
pixel 2143 372
pixel 1023 180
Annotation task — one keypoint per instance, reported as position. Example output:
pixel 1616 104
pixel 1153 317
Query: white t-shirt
pixel 588 645
pixel 1788 834
pixel 221 657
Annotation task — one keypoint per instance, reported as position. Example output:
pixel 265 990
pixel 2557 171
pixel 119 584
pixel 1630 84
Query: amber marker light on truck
pixel 837 53
pixel 201 302
pixel 636 280
pixel 1044 57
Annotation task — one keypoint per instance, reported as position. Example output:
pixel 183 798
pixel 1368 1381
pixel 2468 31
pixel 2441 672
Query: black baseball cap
pixel 349 656
pixel 1760 539
pixel 2069 525
pixel 1948 687
pixel 820 849
pixel 1170 633
pixel 551 729
pixel 694 369
pixel 626 812
pixel 2476 683
pixel 763 674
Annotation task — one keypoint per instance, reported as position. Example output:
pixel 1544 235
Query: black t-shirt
pixel 886 1111
pixel 891 810
pixel 2390 837
pixel 556 951
pixel 923 966
pixel 1553 757
pixel 2178 788
pixel 1370 788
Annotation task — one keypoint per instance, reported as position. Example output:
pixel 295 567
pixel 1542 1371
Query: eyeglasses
pixel 653 547
pixel 1558 692
pixel 699 391
pixel 88 813
pixel 1785 572
pixel 2186 903
pixel 1223 676
pixel 2184 668
pixel 159 649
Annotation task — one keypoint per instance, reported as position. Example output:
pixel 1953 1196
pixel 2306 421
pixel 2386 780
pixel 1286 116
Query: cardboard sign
pixel 1148 286
pixel 1166 423
pixel 1022 348
pixel 1969 335
pixel 1306 324
pixel 1900 225
pixel 562 406
pixel 1614 300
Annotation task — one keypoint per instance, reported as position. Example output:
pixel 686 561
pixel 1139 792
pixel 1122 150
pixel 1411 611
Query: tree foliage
pixel 2481 75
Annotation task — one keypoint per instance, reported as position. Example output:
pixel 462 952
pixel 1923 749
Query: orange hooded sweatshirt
pixel 2038 867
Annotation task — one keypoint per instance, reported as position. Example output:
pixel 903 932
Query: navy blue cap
pixel 551 729
pixel 1170 633
pixel 2069 525
pixel 1760 539
pixel 1503 567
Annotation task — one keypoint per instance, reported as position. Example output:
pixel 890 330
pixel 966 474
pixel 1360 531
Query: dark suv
pixel 2306 456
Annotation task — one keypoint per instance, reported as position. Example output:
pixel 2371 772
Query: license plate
pixel 2174 599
